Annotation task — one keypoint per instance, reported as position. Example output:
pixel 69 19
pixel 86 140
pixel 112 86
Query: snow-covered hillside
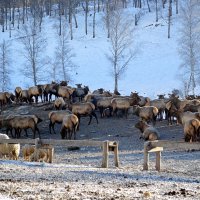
pixel 152 72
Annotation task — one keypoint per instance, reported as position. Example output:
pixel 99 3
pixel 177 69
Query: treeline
pixel 13 13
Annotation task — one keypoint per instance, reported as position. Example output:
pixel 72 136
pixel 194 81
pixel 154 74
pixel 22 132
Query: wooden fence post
pixel 36 148
pixel 105 154
pixel 116 153
pixel 51 153
pixel 158 160
pixel 146 157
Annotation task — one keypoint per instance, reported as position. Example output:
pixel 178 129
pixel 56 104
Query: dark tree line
pixel 14 13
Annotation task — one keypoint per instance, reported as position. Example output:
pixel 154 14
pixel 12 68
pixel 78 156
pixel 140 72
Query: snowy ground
pixel 153 71
pixel 178 179
pixel 78 174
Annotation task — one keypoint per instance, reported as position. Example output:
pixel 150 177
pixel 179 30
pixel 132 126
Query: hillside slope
pixel 153 71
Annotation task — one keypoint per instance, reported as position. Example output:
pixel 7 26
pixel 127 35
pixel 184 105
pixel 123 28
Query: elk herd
pixel 71 103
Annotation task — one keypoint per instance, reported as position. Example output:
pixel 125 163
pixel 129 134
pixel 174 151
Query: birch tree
pixel 169 17
pixel 121 39
pixel 64 54
pixel 5 62
pixel 34 45
pixel 189 44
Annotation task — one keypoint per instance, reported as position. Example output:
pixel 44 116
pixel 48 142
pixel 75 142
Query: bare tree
pixel 94 19
pixel 34 44
pixel 5 62
pixel 156 10
pixel 176 6
pixel 189 44
pixel 86 16
pixel 148 6
pixel 53 72
pixel 107 18
pixel 169 17
pixel 3 19
pixel 64 54
pixel 121 39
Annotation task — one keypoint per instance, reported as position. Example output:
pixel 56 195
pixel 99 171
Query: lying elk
pixel 148 132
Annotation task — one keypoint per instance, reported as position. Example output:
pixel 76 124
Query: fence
pixel 157 147
pixel 107 146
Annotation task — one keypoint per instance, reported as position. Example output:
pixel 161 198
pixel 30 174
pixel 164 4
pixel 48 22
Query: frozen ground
pixel 179 178
pixel 78 174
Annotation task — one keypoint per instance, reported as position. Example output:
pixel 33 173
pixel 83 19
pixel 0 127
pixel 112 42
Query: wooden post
pixel 116 153
pixel 51 153
pixel 36 148
pixel 158 160
pixel 146 157
pixel 105 154
pixel 149 149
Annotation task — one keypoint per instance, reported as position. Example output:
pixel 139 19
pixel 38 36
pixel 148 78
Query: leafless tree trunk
pixel 5 62
pixel 13 15
pixel 176 6
pixel 70 18
pixel 10 29
pixel 6 14
pixel 148 6
pixel 76 24
pixel 86 17
pixel 107 18
pixel 137 3
pixel 163 3
pixel 34 44
pixel 189 44
pixel 60 17
pixel 23 11
pixel 98 6
pixel 64 54
pixel 121 39
pixel 169 17
pixel 156 10
pixel 94 20
pixel 2 19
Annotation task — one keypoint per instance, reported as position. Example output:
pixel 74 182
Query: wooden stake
pixel 116 153
pixel 146 157
pixel 105 154
pixel 158 160
pixel 51 153
pixel 146 160
pixel 36 148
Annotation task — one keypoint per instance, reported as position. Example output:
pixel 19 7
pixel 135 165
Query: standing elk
pixel 124 103
pixel 146 113
pixel 69 127
pixel 57 117
pixel 80 92
pixel 83 109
